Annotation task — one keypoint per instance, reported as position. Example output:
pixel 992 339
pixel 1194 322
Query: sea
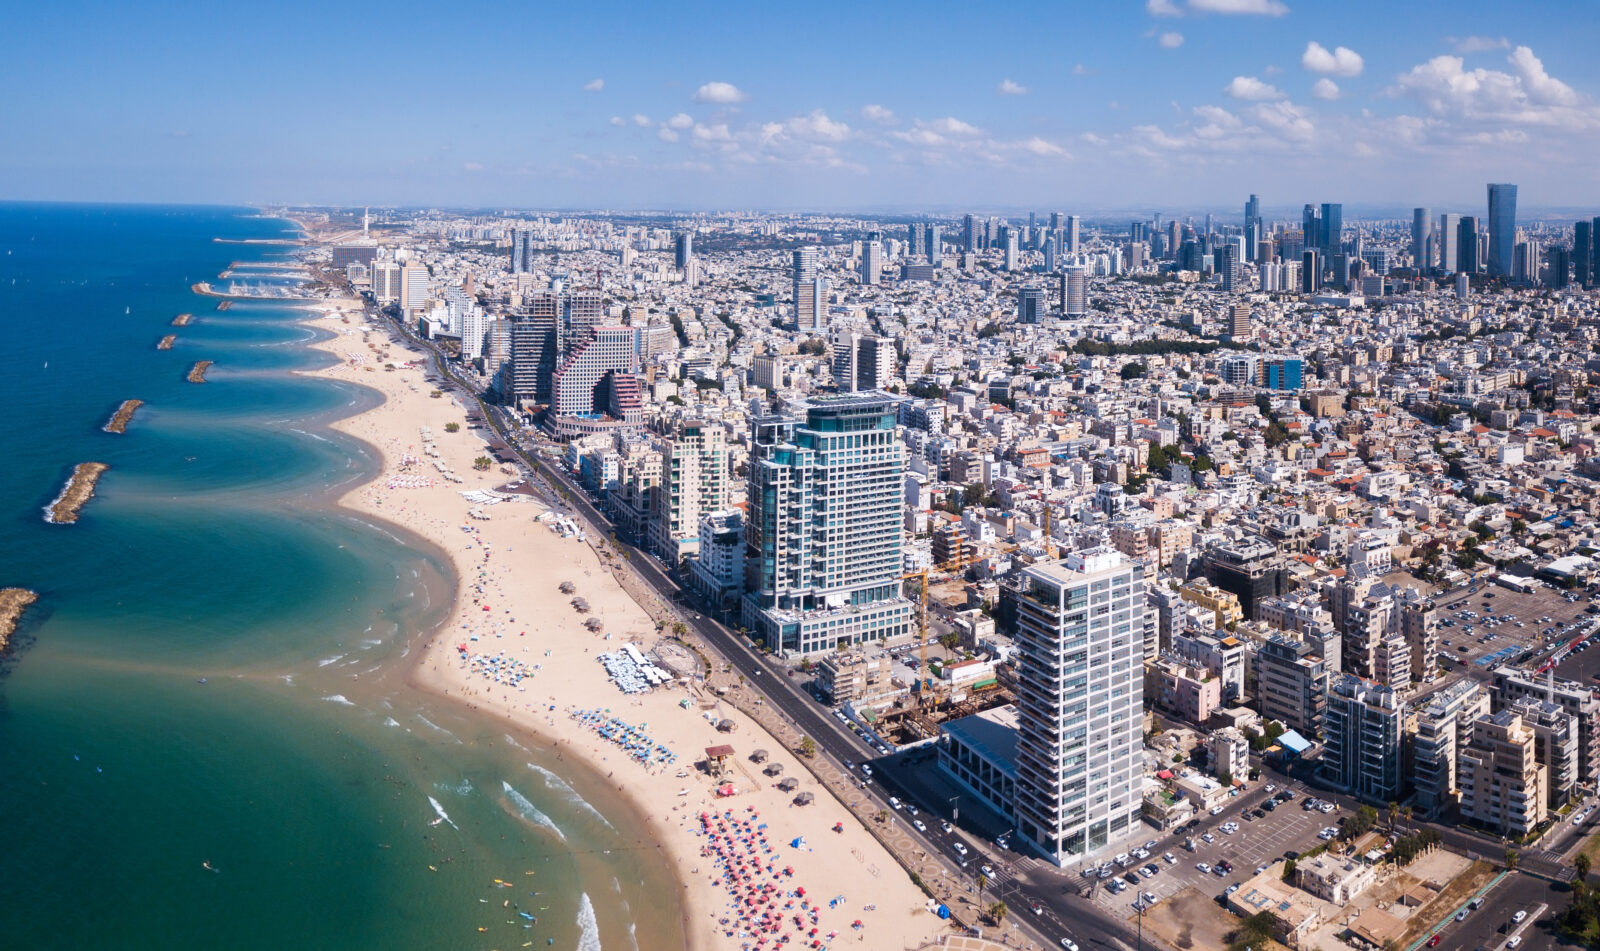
pixel 206 735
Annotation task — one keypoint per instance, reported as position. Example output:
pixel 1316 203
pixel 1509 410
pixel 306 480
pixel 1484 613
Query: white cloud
pixel 1009 88
pixel 1343 61
pixel 1218 116
pixel 1045 148
pixel 1326 89
pixel 667 135
pixel 875 113
pixel 1171 40
pixel 1478 44
pixel 1162 8
pixel 473 167
pixel 1531 96
pixel 817 125
pixel 1093 139
pixel 1285 118
pixel 1251 88
pixel 1081 70
pixel 712 133
pixel 617 120
pixel 720 93
pixel 1270 8
pixel 641 120
pixel 950 125
pixel 680 121
pixel 594 85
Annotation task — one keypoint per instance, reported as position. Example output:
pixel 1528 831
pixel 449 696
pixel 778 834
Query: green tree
pixel 1288 870
pixel 1512 858
pixel 679 628
pixel 982 882
pixel 997 912
pixel 1580 864
pixel 808 747
pixel 452 427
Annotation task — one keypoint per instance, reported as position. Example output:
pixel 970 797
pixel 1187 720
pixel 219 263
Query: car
pixel 1326 807
pixel 961 848
pixel 1259 813
pixel 1518 917
pixel 1152 868
pixel 1461 915
pixel 895 803
pixel 987 871
pixel 1291 855
pixel 1150 846
pixel 1216 810
pixel 1516 941
pixel 1122 859
pixel 946 827
pixel 1208 838
pixel 1271 787
pixel 1225 865
pixel 1433 942
pixel 1171 859
pixel 1231 889
pixel 1069 944
pixel 1261 868
pixel 1219 871
pixel 911 809
pixel 919 825
pixel 1139 905
pixel 1228 830
pixel 866 768
pixel 1202 867
pixel 1287 794
pixel 1149 898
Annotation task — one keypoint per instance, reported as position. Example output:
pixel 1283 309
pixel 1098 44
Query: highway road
pixel 1061 912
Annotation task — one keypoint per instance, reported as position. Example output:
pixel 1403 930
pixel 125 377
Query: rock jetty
pixel 13 601
pixel 124 413
pixel 76 494
pixel 182 320
pixel 197 374
pixel 166 342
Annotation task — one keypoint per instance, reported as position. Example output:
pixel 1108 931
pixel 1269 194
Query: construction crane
pixel 1049 542
pixel 924 682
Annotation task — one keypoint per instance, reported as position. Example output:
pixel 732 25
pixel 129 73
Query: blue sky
pixel 1111 105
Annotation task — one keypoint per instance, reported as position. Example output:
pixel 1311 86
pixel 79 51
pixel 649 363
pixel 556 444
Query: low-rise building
pixel 1334 879
pixel 980 751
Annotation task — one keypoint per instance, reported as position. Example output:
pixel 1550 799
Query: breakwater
pixel 13 601
pixel 119 419
pixel 166 342
pixel 182 320
pixel 75 494
pixel 197 373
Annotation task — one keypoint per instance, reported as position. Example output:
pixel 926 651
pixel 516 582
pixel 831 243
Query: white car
pixel 1203 867
pixel 1068 944
pixel 947 827
pixel 919 825
pixel 1208 838
pixel 1518 917
pixel 961 848
pixel 987 871
pixel 1171 859
pixel 1216 810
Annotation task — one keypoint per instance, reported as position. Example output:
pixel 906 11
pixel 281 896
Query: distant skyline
pixel 1175 104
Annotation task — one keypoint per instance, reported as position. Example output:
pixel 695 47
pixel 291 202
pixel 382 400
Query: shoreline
pixel 64 509
pixel 558 654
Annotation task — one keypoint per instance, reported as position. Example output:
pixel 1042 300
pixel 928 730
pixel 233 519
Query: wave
pixel 513 741
pixel 339 698
pixel 443 816
pixel 531 812
pixel 463 788
pixel 552 781
pixel 588 926
pixel 437 728
pixel 390 721
pixel 330 660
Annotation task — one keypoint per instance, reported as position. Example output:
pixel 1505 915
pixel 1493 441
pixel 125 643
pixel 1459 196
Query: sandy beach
pixel 754 865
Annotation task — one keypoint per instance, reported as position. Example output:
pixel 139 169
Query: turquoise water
pixel 303 770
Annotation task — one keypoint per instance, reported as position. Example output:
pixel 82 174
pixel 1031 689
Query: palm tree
pixel 1511 858
pixel 983 882
pixel 997 912
pixel 1581 864
pixel 1394 813
pixel 679 629
pixel 1405 813
pixel 808 747
pixel 883 815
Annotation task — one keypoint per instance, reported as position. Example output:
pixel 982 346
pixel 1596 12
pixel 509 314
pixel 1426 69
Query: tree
pixel 679 628
pixel 1131 371
pixel 982 882
pixel 1225 778
pixel 808 747
pixel 883 815
pixel 1581 864
pixel 997 912
pixel 1394 814
pixel 452 427
pixel 482 463
pixel 1512 857
pixel 1288 870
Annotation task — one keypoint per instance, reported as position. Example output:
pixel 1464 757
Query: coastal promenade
pixel 783 708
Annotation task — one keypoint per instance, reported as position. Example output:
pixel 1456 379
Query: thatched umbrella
pixel 804 799
pixel 581 604
pixel 727 726
pixel 789 784
pixel 773 769
pixel 594 624
pixel 759 756
pixel 568 587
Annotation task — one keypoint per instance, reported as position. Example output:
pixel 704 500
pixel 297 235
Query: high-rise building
pixel 1503 785
pixel 1074 237
pixel 1292 681
pixel 1361 735
pixel 1310 227
pixel 823 555
pixel 386 282
pixel 1467 245
pixel 933 243
pixel 1251 568
pixel 1310 271
pixel 1011 251
pixel 1555 739
pixel 871 262
pixel 1511 684
pixel 808 304
pixel 1421 230
pixel 1076 298
pixel 1080 704
pixel 474 332
pixel 1331 230
pixel 1282 372
pixel 862 362
pixel 521 251
pixel 1252 228
pixel 1502 229
pixel 914 238
pixel 1443 728
pixel 536 345
pixel 413 288
pixel 1049 251
pixel 683 250
pixel 1449 243
pixel 1136 231
pixel 969 234
pixel 1230 268
pixel 694 483
pixel 1030 304
pixel 1583 255
pixel 585 311
pixel 575 385
pixel 1239 321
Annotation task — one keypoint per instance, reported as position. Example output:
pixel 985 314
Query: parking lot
pixel 1492 635
pixel 1257 842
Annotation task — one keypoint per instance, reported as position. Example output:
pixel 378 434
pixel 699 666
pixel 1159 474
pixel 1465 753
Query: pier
pixel 224 305
pixel 75 494
pixel 119 419
pixel 182 320
pixel 13 601
pixel 166 342
pixel 197 373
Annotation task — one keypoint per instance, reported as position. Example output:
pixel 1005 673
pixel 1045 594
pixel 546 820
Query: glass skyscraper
pixel 1502 228
pixel 1332 229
